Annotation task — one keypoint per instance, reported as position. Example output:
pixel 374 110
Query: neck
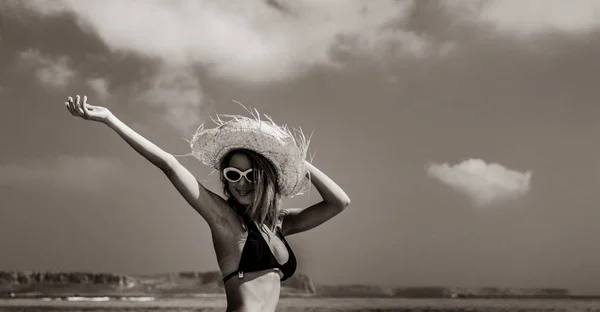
pixel 237 205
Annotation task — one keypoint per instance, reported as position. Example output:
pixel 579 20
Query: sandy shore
pixel 327 304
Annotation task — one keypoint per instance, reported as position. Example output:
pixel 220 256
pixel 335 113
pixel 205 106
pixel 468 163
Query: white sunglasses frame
pixel 243 174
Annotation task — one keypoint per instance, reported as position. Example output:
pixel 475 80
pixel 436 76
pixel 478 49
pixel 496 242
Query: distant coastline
pixel 28 284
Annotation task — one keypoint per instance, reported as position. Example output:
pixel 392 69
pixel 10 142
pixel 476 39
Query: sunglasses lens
pixel 232 175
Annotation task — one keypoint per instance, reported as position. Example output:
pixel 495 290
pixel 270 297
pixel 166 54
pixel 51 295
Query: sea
pixel 207 303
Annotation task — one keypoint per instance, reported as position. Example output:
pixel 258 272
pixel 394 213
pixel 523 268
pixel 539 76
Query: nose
pixel 242 181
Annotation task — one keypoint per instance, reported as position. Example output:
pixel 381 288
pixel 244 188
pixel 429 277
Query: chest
pixel 261 243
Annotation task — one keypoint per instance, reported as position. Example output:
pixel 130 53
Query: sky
pixel 465 133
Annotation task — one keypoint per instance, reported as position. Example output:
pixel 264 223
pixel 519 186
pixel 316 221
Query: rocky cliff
pixel 202 283
pixel 495 292
pixel 438 292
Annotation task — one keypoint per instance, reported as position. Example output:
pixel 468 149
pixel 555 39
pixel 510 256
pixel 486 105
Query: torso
pixel 255 291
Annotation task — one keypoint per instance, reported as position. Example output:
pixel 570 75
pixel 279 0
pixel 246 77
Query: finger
pixel 69 108
pixel 91 107
pixel 75 106
pixel 86 113
pixel 72 107
pixel 78 106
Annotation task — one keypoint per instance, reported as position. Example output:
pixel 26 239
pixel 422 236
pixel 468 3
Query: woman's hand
pixel 82 109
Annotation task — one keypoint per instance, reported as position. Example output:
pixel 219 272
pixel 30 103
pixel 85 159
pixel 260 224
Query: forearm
pixel 327 188
pixel 149 150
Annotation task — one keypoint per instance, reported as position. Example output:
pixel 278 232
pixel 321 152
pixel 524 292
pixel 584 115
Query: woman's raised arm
pixel 201 199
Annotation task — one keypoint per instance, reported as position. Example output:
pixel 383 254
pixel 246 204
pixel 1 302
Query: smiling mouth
pixel 244 193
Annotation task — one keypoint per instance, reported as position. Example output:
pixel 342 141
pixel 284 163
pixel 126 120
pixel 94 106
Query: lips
pixel 244 192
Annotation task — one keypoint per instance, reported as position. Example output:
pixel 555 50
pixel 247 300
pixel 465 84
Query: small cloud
pixel 179 95
pixel 51 72
pixel 99 86
pixel 482 183
pixel 69 172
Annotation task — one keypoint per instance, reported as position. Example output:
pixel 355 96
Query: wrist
pixel 307 167
pixel 110 119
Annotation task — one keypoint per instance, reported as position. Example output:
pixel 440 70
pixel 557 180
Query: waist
pixel 255 291
pixel 239 274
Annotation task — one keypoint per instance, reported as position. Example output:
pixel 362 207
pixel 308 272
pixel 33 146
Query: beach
pixel 305 304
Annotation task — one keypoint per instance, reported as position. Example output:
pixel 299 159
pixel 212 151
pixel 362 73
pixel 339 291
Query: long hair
pixel 265 207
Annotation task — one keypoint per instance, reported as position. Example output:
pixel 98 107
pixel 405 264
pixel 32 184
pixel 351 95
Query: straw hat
pixel 285 148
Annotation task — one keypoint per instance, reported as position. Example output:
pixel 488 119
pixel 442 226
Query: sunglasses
pixel 234 175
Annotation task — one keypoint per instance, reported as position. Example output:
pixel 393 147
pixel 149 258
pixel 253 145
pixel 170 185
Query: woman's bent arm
pixel 335 200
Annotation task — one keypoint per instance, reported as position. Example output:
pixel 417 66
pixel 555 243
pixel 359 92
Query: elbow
pixel 167 164
pixel 343 203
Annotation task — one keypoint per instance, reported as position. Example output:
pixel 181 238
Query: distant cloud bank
pixel 266 41
pixel 251 41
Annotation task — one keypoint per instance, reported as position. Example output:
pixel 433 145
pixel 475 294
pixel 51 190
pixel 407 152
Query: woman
pixel 259 163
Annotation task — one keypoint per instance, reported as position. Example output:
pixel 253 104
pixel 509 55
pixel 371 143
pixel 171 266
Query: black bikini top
pixel 256 255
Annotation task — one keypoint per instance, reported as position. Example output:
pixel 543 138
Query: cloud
pixel 52 72
pixel 482 183
pixel 177 92
pixel 254 40
pixel 531 17
pixel 68 172
pixel 270 40
pixel 56 73
pixel 99 86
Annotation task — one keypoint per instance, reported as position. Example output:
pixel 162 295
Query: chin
pixel 244 200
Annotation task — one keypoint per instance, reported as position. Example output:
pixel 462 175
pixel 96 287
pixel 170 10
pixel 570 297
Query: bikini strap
pixel 232 274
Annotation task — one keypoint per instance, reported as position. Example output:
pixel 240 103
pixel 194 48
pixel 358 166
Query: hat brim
pixel 285 149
